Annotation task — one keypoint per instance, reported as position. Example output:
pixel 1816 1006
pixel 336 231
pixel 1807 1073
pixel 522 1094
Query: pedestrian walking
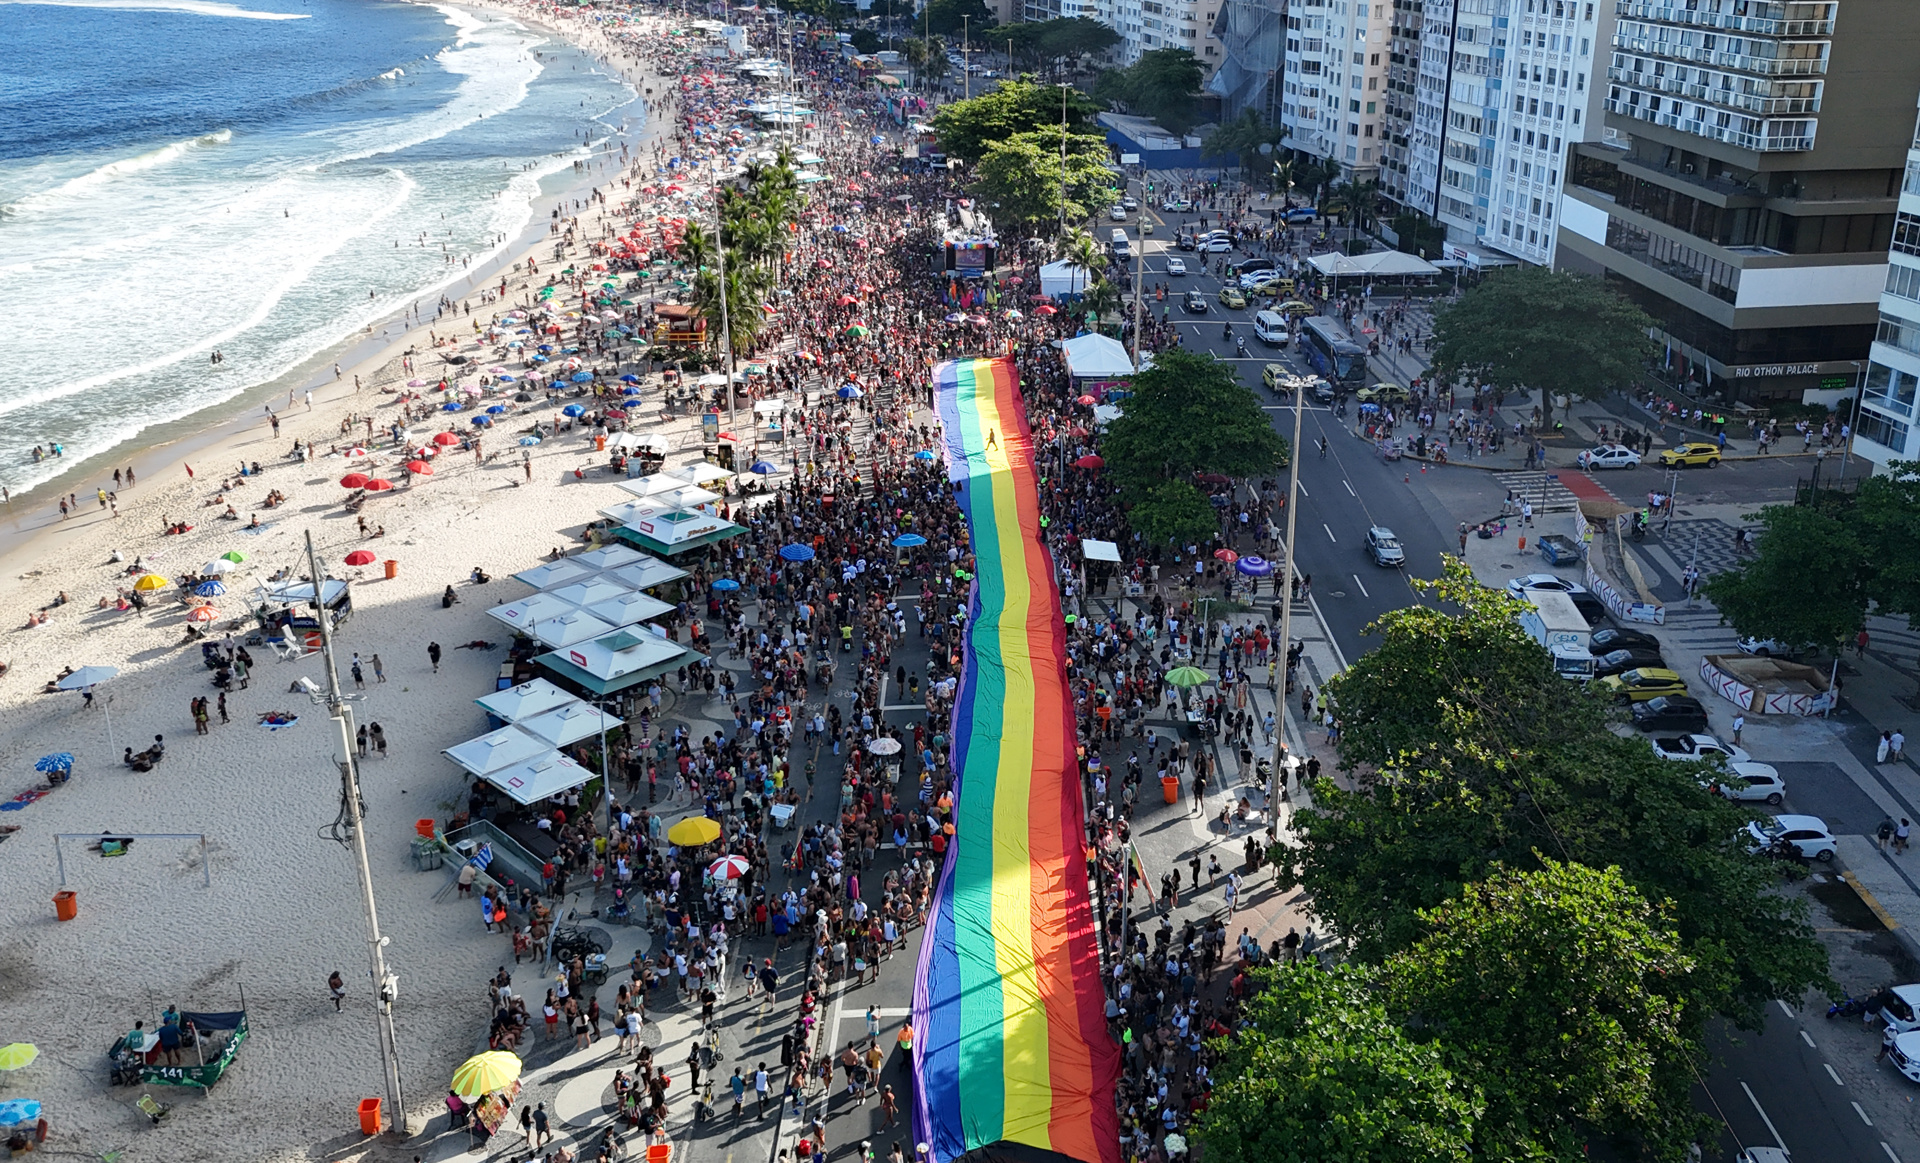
pixel 1897 746
pixel 379 671
pixel 1901 836
pixel 223 708
pixel 1884 833
pixel 433 655
pixel 1884 747
pixel 338 988
pixel 1739 724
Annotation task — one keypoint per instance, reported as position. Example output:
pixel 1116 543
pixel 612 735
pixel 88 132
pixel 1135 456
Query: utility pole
pixel 1063 158
pixel 966 57
pixel 726 323
pixel 1139 276
pixel 385 985
pixel 1286 622
pixel 1859 390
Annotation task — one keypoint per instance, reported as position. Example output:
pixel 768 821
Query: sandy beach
pixel 282 911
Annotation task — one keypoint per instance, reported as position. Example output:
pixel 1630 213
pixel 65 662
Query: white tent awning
pixel 629 608
pixel 569 628
pixel 568 724
pixel 523 614
pixel 1096 357
pixel 526 700
pixel 1094 550
pixel 554 573
pixel 495 751
pixel 547 775
pixel 608 557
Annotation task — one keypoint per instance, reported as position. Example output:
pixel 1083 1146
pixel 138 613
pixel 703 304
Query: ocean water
pixel 262 177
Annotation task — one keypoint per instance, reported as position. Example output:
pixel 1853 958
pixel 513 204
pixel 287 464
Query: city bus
pixel 1333 353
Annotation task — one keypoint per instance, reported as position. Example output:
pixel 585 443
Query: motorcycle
pixel 1226 331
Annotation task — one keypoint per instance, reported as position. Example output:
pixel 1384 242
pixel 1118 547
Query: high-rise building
pixel 1253 48
pixel 1887 427
pixel 1751 203
pixel 1338 95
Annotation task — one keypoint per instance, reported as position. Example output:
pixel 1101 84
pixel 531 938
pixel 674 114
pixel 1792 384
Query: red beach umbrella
pixel 377 485
pixel 420 468
pixel 354 480
pixel 361 557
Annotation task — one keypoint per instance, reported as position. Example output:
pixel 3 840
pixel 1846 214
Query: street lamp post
pixel 1859 390
pixel 1286 620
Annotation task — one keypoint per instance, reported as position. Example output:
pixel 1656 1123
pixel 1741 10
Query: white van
pixel 1270 327
pixel 1122 248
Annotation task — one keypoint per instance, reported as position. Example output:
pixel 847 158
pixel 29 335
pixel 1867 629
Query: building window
pixel 1883 430
pixel 1906 233
pixel 1903 281
pixel 1897 332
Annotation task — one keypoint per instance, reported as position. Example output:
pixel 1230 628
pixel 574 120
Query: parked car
pixel 1197 302
pixel 1232 298
pixel 1293 307
pixel 1299 214
pixel 1519 586
pixel 1610 456
pixel 1693 453
pixel 1899 1007
pixel 1383 394
pixel 1768 647
pixel 1117 212
pixel 1698 747
pixel 1617 638
pixel 1643 683
pixel 1806 835
pixel 1670 713
pixel 1753 783
pixel 1176 266
pixel 1175 206
pixel 1625 659
pixel 1591 608
pixel 1384 547
pixel 1903 1050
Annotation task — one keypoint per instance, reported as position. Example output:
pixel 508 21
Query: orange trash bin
pixel 393 569
pixel 600 444
pixel 424 828
pixel 369 1116
pixel 1170 788
pixel 66 906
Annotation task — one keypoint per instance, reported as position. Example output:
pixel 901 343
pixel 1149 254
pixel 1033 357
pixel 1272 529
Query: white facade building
pixel 1334 102
pixel 1888 427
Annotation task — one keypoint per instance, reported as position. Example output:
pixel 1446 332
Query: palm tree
pixel 1078 247
pixel 696 248
pixel 1102 297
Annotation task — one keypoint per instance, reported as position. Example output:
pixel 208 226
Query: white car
pixel 1762 784
pixel 1903 1050
pixel 1766 647
pixel 1519 586
pixel 1176 266
pixel 1807 834
pixel 1175 206
pixel 1215 245
pixel 1610 456
pixel 1900 1008
pixel 1698 747
pixel 1130 203
pixel 1118 213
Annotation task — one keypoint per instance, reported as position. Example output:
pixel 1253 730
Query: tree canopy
pixel 1528 328
pixel 953 17
pixel 1322 1074
pixel 1468 751
pixel 1241 139
pixel 1163 84
pixel 1038 43
pixel 1020 178
pixel 1188 414
pixel 967 128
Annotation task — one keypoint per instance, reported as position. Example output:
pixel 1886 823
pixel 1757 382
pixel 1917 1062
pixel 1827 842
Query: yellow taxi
pixel 1272 288
pixel 1383 394
pixel 1274 373
pixel 1690 454
pixel 1293 307
pixel 1641 684
pixel 1231 297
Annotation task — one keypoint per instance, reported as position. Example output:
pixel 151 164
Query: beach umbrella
pixel 629 378
pixel 1045 309
pixel 850 392
pixel 202 614
pixel 20 1055
pixel 529 441
pixel 694 831
pixel 377 485
pixel 1254 566
pixel 356 453
pixel 209 589
pixel 485 1073
pixel 956 317
pixel 909 541
pixel 1089 461
pixel 725 585
pixel 1226 555
pixel 354 480
pixel 797 552
pixel 857 331
pixel 763 467
pixel 729 868
pixel 925 454
pixel 582 377
pixel 218 567
pixel 1085 401
pixel 1188 676
pixel 362 557
pixel 16 1111
pixel 420 468
pixel 496 409
pixel 58 761
pixel 573 410
pixel 629 391
pixel 149 582
pixel 445 439
pixel 450 406
pixel 87 676
pixel 233 555
pixel 505 379
pixel 483 421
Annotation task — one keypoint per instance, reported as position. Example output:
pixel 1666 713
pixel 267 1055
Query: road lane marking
pixel 1771 1129
pixel 1784 1008
pixel 1350 492
pixel 1303 491
pixel 1862 1114
pixel 1808 1039
pixel 1889 1151
pixel 1330 536
pixel 1362 585
pixel 1831 1074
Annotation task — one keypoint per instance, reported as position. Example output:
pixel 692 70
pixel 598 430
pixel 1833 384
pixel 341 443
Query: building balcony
pixel 1754 103
pixel 1794 138
pixel 1781 25
pixel 1766 66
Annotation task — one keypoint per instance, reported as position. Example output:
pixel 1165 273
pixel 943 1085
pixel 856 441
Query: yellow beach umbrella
pixel 18 1055
pixel 486 1073
pixel 150 582
pixel 694 831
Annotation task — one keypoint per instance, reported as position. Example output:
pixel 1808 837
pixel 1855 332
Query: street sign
pixel 1129 159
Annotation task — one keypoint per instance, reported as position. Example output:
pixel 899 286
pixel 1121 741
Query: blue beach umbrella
pixel 850 392
pixel 450 406
pixel 529 441
pixel 924 454
pixel 210 589
pixel 629 378
pixel 505 379
pixel 573 410
pixel 545 347
pixel 1254 566
pixel 629 390
pixel 482 421
pixel 908 541
pixel 582 377
pixel 58 761
pixel 725 585
pixel 797 552
pixel 496 409
pixel 763 467
pixel 18 1111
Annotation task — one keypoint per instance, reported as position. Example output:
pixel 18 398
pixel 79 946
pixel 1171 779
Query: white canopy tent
pixel 608 557
pixel 1098 357
pixel 526 700
pixel 586 593
pixel 629 608
pixel 700 472
pixel 568 724
pixel 1379 264
pixel 622 653
pixel 554 573
pixel 535 780
pixel 1093 550
pixel 1064 278
pixel 521 615
pixel 645 574
pixel 496 750
pixel 569 628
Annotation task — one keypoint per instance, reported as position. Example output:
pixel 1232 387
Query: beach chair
pixel 155 1112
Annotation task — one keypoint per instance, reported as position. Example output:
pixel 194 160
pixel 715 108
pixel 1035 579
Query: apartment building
pixel 1253 45
pixel 1333 104
pixel 1751 200
pixel 1887 427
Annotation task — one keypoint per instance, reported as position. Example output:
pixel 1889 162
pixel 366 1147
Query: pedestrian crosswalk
pixel 1542 488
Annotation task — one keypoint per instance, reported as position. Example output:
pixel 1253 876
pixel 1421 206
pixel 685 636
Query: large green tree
pixel 1561 994
pixel 967 129
pixel 1164 84
pixel 1530 328
pixel 1241 140
pixel 1022 180
pixel 1319 1073
pixel 954 17
pixel 1468 752
pixel 1174 513
pixel 1809 582
pixel 1188 414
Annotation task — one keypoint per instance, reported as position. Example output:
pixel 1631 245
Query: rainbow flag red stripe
pixel 1011 1039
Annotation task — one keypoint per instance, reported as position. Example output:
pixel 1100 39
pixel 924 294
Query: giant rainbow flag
pixel 1011 1041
